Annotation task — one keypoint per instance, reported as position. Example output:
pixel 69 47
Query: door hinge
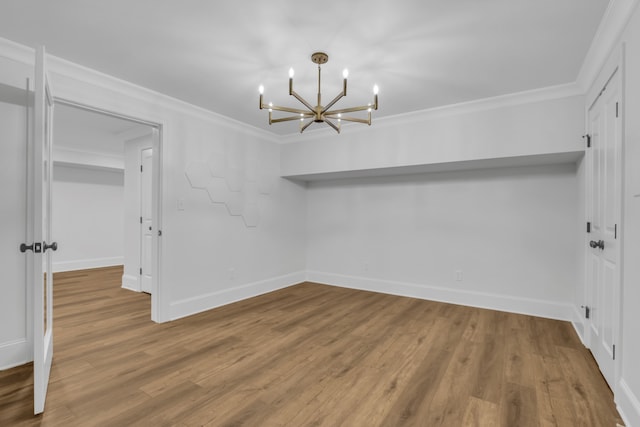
pixel 141 271
pixel 140 220
pixel 615 231
pixel 159 232
pixel 616 109
pixel 614 352
pixel 587 311
pixel 140 168
pixel 588 138
pixel 589 227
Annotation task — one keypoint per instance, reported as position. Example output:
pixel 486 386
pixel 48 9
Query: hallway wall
pixel 88 217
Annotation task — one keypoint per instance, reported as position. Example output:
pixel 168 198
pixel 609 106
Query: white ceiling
pixel 422 53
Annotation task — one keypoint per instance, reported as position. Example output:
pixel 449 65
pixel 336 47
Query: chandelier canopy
pixel 320 113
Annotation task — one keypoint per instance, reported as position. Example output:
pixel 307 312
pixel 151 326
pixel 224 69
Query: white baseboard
pixel 533 307
pixel 131 283
pixel 578 323
pixel 200 303
pixel 628 405
pixel 84 264
pixel 15 353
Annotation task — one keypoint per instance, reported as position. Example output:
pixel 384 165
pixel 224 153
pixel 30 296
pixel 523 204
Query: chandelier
pixel 320 113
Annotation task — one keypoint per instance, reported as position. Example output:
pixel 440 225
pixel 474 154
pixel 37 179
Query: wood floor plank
pixel 480 413
pixel 307 355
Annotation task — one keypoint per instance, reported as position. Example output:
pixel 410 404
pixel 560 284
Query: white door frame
pixel 156 199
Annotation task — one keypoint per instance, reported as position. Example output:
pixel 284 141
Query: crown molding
pixel 17 52
pixel 67 69
pixel 613 23
pixel 478 105
pixel 96 78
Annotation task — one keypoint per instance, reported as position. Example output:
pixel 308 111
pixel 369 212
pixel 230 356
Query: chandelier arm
pixel 330 123
pixel 336 99
pixel 299 98
pixel 305 126
pixel 287 109
pixel 366 121
pixel 287 119
pixel 349 110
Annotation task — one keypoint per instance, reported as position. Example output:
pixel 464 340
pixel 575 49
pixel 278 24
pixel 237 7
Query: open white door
pixel 43 247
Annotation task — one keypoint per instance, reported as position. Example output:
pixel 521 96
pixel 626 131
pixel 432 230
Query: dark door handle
pixel 53 246
pixel 24 247
pixel 598 244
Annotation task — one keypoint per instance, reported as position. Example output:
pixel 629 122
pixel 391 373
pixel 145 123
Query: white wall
pixel 510 232
pixel 14 335
pixel 88 212
pixel 628 393
pixel 88 192
pixel 213 256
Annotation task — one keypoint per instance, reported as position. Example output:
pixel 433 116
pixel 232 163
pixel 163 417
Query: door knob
pixel 24 247
pixel 598 244
pixel 53 246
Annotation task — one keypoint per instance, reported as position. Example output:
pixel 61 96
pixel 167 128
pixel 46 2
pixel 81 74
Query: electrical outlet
pixel 458 275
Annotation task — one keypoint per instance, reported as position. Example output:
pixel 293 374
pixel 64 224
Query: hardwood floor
pixel 308 355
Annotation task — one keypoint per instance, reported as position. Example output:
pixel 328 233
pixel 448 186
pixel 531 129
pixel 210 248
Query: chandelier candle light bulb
pixel 291 73
pixel 375 96
pixel 320 113
pixel 345 74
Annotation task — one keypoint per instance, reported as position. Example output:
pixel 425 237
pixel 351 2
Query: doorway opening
pixel 106 188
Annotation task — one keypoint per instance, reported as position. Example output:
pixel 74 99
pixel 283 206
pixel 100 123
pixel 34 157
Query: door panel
pixel 146 209
pixel 608 292
pixel 604 167
pixel 42 277
pixel 594 312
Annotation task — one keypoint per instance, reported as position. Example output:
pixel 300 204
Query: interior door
pixel 605 160
pixel 146 222
pixel 41 273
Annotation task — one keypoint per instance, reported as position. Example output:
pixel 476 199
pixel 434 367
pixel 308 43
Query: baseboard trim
pixel 628 405
pixel 15 353
pixel 131 283
pixel 200 303
pixel 529 306
pixel 84 264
